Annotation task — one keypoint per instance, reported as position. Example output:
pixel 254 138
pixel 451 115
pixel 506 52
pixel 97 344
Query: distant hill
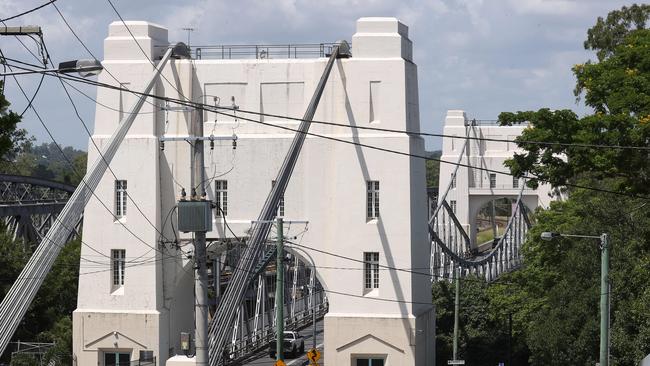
pixel 46 161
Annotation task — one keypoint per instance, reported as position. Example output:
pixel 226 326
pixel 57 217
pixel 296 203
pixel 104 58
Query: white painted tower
pixel 375 313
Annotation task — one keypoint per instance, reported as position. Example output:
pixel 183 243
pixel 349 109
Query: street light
pixel 84 68
pixel 604 288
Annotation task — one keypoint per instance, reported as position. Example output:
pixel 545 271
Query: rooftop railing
pixel 280 51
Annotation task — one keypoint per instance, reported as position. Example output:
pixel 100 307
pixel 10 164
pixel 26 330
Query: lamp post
pixel 84 68
pixel 604 288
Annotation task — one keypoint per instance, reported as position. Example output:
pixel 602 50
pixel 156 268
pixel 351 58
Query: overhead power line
pixel 220 111
pixel 28 11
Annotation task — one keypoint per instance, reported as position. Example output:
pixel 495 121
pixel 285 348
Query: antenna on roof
pixel 189 32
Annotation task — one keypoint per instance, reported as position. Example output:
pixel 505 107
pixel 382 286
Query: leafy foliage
pixel 433 168
pixel 49 318
pixel 46 161
pixel 12 138
pixel 618 89
pixel 608 33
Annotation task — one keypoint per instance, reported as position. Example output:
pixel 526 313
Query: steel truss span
pixel 29 206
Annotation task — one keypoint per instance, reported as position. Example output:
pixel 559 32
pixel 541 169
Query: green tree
pixel 618 89
pixel 555 296
pixel 433 168
pixel 609 33
pixel 12 138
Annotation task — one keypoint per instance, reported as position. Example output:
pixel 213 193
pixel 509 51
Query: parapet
pixel 381 38
pixel 455 117
pixel 120 45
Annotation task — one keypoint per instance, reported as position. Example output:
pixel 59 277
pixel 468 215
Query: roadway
pixel 262 358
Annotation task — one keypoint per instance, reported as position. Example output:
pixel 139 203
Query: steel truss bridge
pixel 29 206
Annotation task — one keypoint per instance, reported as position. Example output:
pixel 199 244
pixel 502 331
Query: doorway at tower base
pixel 405 340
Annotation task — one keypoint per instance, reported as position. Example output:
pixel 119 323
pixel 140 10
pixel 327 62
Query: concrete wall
pixel 376 87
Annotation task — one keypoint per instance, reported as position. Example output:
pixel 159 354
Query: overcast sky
pixel 481 56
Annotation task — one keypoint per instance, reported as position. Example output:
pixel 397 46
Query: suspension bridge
pixel 401 324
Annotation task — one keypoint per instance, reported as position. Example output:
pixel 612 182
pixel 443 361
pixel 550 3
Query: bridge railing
pixel 278 51
pixel 249 343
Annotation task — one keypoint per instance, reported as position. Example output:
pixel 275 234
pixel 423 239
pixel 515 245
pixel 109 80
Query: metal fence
pixel 282 51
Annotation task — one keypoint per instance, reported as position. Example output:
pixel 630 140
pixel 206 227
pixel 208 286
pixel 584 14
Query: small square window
pixel 493 180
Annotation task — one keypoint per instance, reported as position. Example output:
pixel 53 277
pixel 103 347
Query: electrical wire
pixel 28 11
pixel 210 108
pixel 76 172
pixel 90 136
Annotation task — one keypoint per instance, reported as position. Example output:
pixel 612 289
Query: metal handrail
pixel 281 51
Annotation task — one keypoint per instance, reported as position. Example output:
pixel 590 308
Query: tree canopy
pixel 554 296
pixel 618 90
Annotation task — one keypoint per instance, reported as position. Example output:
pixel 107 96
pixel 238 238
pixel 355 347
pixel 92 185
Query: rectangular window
pixel 493 180
pixel 369 362
pixel 372 204
pixel 280 212
pixel 117 359
pixel 452 203
pixel 221 197
pixel 120 198
pixel 374 101
pixel 515 182
pixel 371 269
pixel 118 259
pixel 453 181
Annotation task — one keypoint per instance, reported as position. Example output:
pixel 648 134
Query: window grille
pixel 371 269
pixel 118 263
pixel 372 205
pixel 221 197
pixel 493 180
pixel 120 198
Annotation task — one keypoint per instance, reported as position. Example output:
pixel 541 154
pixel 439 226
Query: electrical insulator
pixel 183 194
pixel 193 194
pixel 162 145
pixel 234 144
pixel 211 143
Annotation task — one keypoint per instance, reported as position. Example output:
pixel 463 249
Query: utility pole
pixel 604 300
pixel 509 339
pixel 456 309
pixel 279 292
pixel 200 257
